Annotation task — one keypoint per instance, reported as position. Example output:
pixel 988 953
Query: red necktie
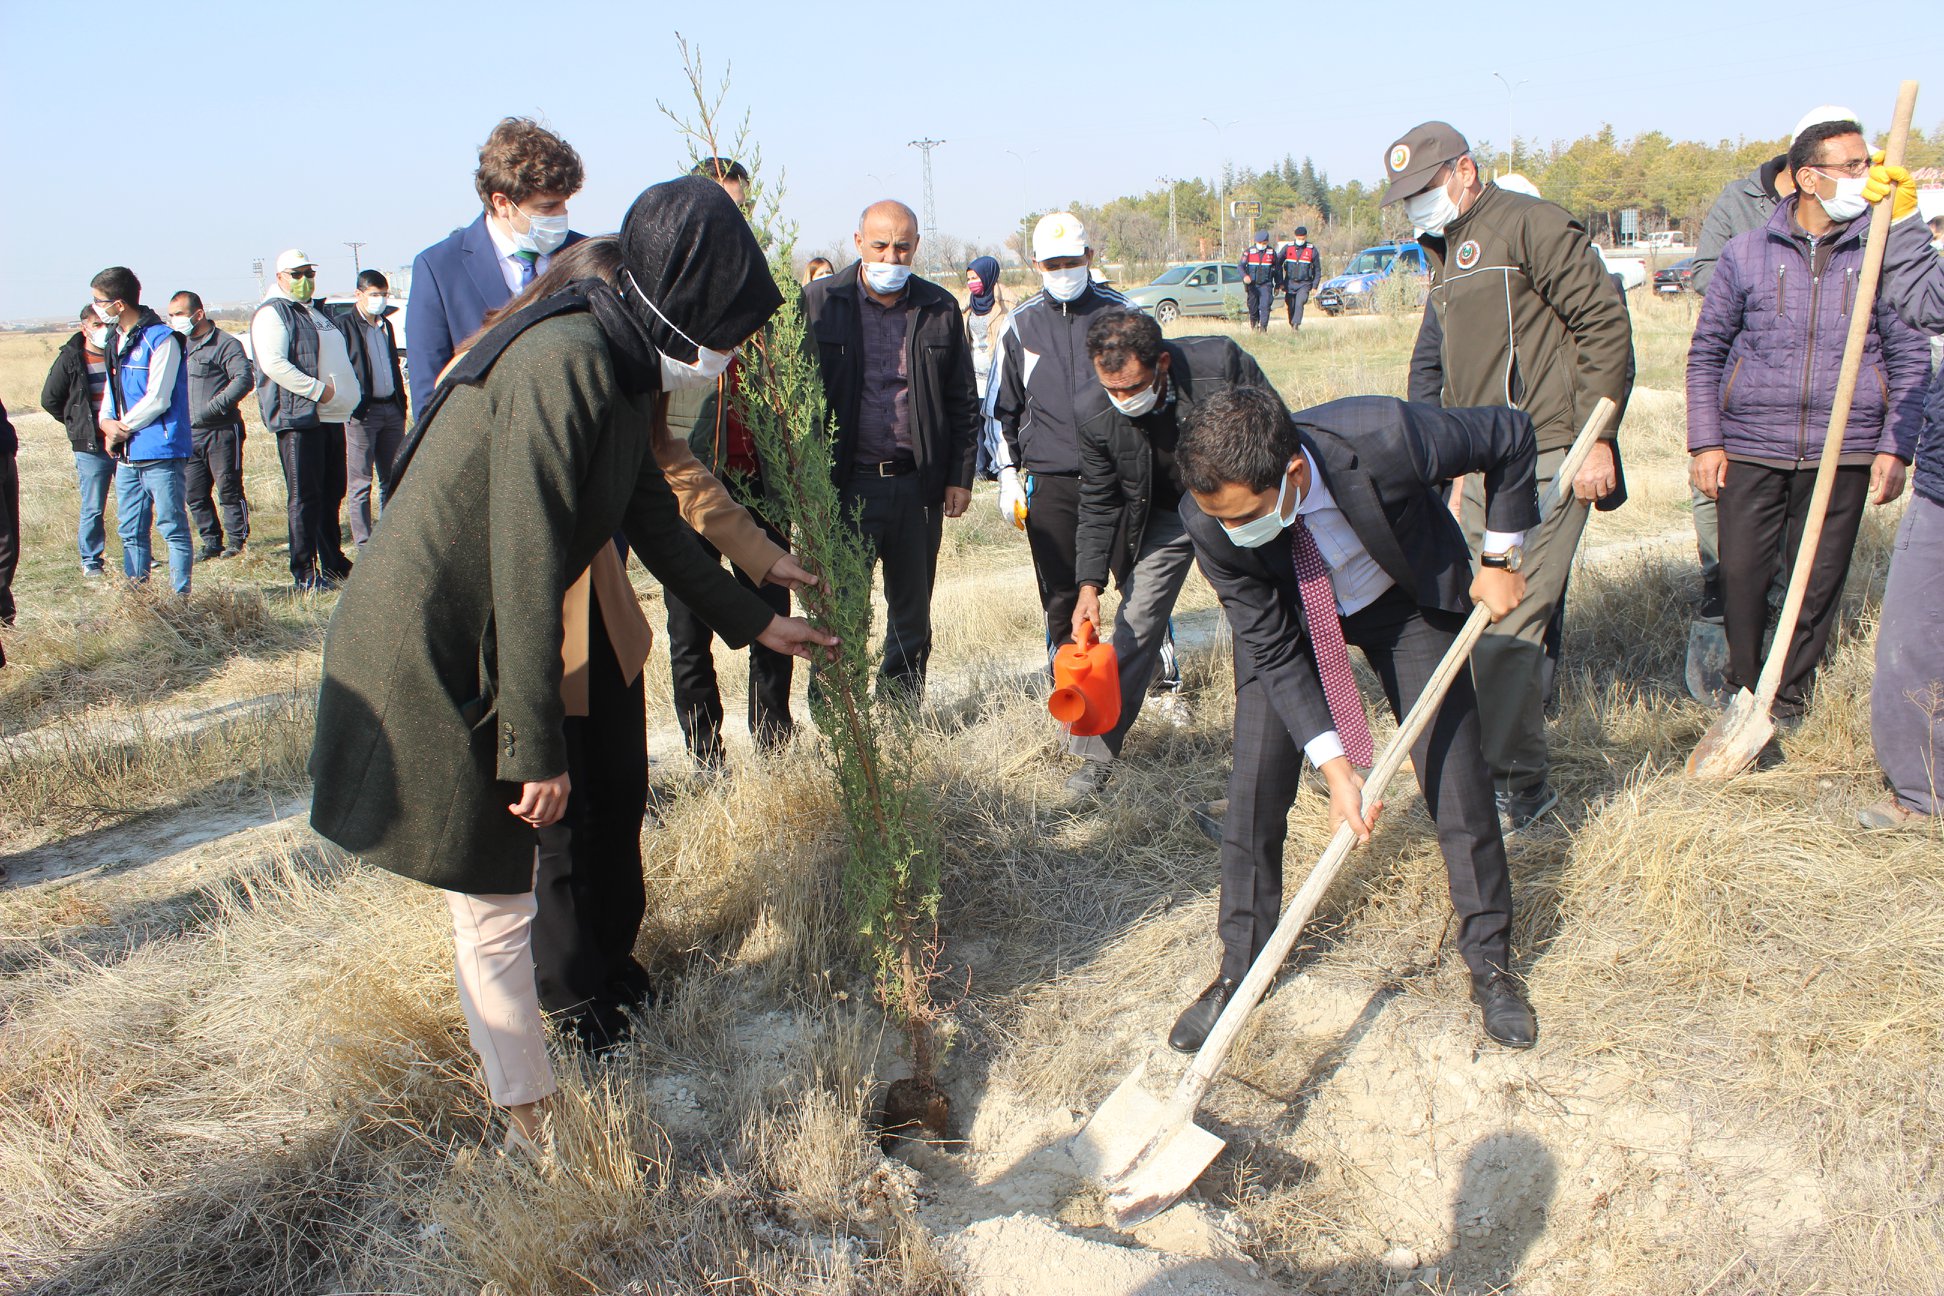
pixel 1326 639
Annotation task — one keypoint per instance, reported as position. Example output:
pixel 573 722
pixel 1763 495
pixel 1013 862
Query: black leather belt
pixel 888 468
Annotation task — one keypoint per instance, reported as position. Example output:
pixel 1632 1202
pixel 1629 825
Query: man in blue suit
pixel 526 175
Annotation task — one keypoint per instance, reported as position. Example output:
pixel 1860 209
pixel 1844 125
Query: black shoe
pixel 1518 811
pixel 230 551
pixel 1198 1018
pixel 1212 818
pixel 1502 1003
pixel 210 553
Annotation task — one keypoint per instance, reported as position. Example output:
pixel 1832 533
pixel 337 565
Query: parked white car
pixel 1632 270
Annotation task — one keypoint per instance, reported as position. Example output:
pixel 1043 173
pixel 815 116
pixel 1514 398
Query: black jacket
pixel 65 395
pixel 219 378
pixel 1117 462
pixel 351 323
pixel 1382 460
pixel 1033 411
pixel 944 397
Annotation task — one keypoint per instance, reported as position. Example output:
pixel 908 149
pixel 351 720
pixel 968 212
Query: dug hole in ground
pixel 234 1062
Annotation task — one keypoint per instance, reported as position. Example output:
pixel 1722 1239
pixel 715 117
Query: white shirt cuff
pixel 1326 746
pixel 1497 542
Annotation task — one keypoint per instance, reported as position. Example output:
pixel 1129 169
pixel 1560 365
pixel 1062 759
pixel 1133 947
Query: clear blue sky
pixel 238 129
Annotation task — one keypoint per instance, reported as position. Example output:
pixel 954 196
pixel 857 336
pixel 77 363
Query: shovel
pixel 1146 1152
pixel 1740 733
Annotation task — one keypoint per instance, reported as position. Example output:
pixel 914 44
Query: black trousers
pixel 1404 644
pixel 314 480
pixel 1262 301
pixel 1295 298
pixel 904 532
pixel 1761 513
pixel 691 661
pixel 588 886
pixel 9 533
pixel 217 461
pixel 1052 530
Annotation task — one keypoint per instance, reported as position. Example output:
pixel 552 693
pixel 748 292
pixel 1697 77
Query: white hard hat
pixel 1517 184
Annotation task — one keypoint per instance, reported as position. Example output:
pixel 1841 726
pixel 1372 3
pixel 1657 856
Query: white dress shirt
pixel 509 264
pixel 1355 577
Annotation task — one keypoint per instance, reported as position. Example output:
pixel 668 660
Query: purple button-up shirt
pixel 884 413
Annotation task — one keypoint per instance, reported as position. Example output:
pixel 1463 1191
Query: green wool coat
pixel 441 689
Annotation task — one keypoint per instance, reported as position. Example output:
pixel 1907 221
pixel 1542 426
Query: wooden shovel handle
pixel 1214 1051
pixel 1839 410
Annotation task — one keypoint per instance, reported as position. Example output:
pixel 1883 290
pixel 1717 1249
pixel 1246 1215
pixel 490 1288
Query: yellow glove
pixel 1884 180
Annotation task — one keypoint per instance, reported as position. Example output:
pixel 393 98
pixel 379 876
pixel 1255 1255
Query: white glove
pixel 1012 498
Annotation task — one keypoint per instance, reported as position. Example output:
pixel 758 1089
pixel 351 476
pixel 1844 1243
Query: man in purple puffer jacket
pixel 1761 378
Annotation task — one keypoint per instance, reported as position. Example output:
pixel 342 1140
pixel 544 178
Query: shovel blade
pixel 1734 740
pixel 1144 1153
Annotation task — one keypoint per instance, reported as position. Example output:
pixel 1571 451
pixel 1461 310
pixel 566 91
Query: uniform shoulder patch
pixel 1467 255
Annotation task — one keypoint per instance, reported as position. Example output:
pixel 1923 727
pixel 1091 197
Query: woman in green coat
pixel 439 749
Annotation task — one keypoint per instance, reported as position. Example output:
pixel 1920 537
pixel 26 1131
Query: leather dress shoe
pixel 1502 1003
pixel 1198 1018
pixel 1211 817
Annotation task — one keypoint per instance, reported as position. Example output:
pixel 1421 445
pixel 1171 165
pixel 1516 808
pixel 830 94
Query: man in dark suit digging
pixel 1327 529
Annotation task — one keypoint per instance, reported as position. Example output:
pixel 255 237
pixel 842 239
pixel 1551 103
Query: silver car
pixel 1197 288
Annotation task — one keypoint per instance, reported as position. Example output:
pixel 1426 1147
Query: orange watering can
pixel 1086 685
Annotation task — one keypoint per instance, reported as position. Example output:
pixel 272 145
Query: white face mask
pixel 106 312
pixel 1065 285
pixel 708 364
pixel 1847 203
pixel 1431 210
pixel 543 234
pixel 181 324
pixel 1257 532
pixel 374 305
pixel 1137 405
pixel 884 277
pixel 98 338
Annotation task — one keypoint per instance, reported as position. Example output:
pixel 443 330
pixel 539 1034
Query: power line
pixel 931 209
pixel 356 268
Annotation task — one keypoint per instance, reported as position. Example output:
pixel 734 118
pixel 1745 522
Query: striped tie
pixel 1326 639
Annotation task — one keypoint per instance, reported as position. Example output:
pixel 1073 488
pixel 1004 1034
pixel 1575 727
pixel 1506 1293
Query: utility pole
pixel 1511 89
pixel 1174 231
pixel 256 268
pixel 926 146
pixel 1221 182
pixel 355 267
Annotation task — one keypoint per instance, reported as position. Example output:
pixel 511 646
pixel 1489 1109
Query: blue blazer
pixel 454 283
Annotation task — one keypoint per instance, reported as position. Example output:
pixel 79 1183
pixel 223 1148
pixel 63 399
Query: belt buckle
pixel 887 468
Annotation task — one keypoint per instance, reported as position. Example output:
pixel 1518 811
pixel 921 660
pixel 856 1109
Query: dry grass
pixel 242 1069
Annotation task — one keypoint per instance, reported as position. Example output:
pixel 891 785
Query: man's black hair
pixel 1117 336
pixel 720 169
pixel 88 312
pixel 195 302
pixel 373 279
pixel 119 284
pixel 1241 436
pixel 1807 149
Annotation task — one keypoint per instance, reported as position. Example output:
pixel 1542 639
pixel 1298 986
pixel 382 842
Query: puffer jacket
pixel 1761 372
pixel 1913 282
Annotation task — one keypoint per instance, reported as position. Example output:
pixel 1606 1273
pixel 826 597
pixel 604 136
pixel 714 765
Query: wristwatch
pixel 1511 560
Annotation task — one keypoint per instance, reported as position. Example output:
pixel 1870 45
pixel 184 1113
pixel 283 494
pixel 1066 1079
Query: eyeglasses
pixel 1853 170
pixel 306 273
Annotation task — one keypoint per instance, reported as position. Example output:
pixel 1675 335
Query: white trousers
pixel 493 946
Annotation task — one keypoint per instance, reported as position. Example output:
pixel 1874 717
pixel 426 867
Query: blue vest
pixel 168 436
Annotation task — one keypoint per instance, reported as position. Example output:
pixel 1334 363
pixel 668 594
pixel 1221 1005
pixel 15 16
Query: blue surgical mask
pixel 543 234
pixel 1257 532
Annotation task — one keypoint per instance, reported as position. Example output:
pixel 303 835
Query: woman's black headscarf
pixel 987 268
pixel 687 249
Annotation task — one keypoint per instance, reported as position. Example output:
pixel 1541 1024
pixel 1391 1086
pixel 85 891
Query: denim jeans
pixel 152 490
pixel 93 470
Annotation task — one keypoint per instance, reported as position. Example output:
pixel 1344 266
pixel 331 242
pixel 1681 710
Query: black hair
pixel 120 283
pixel 1117 336
pixel 373 279
pixel 1807 149
pixel 195 302
pixel 1242 436
pixel 720 169
pixel 88 312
